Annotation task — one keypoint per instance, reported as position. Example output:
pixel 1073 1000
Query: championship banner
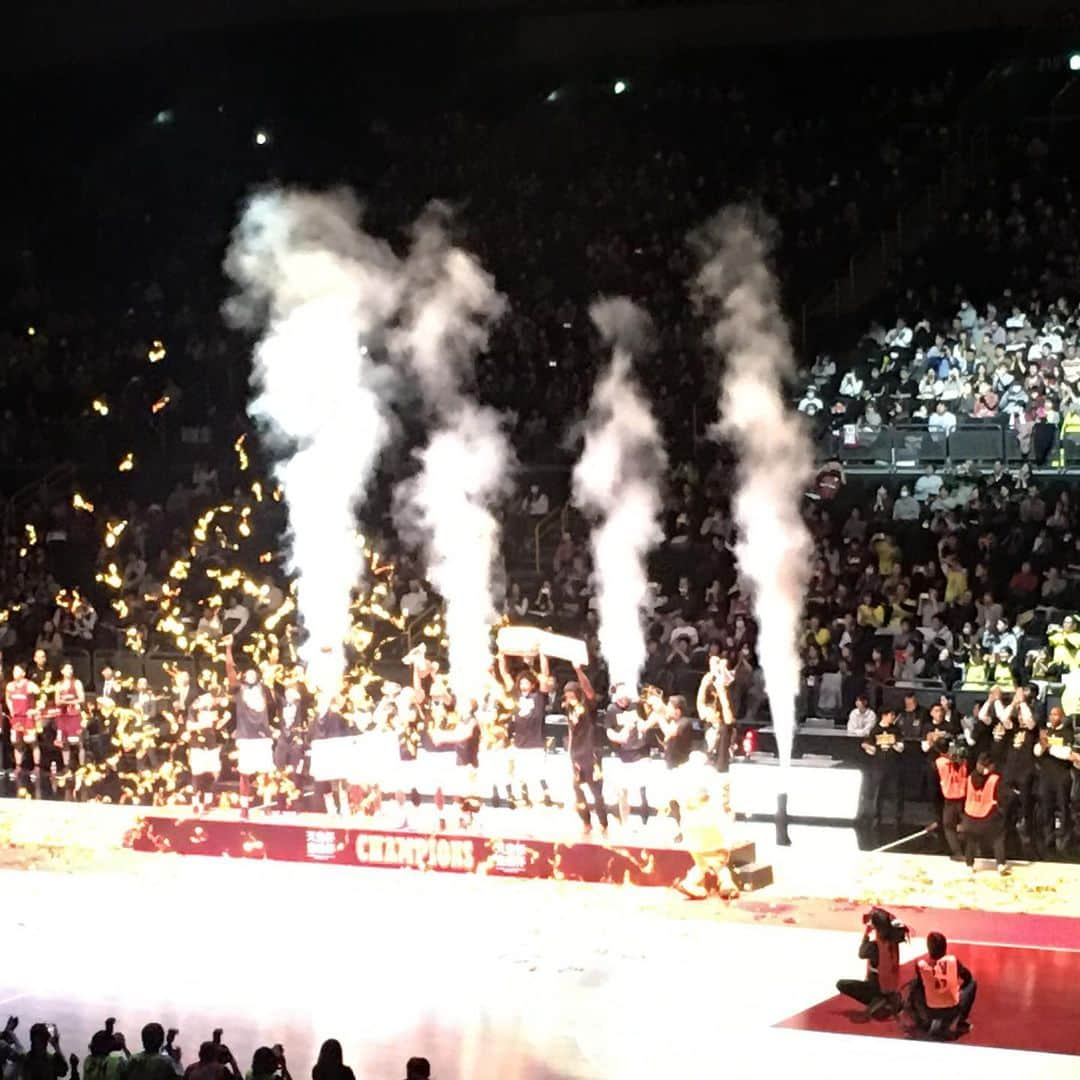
pixel 447 853
pixel 334 759
pixel 519 640
pixel 565 648
pixel 530 640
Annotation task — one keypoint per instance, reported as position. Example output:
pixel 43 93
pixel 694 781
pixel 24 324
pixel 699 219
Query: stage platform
pixel 504 848
pixel 506 844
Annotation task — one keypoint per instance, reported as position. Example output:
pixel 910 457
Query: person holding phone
pixel 44 1060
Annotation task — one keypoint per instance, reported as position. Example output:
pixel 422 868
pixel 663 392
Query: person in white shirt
pixel 941 422
pixel 824 369
pixel 929 386
pixel 905 508
pixel 967 316
pixel 1017 320
pixel 811 402
pixel 951 388
pixel 536 503
pixel 928 485
pixel 851 385
pixel 900 336
pixel 414 601
pixel 862 718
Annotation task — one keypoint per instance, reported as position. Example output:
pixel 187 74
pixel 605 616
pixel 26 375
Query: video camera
pixel 887 926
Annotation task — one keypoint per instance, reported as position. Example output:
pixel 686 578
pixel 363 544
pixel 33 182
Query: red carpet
pixel 961 924
pixel 1026 999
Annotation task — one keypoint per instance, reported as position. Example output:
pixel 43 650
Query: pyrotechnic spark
pixel 79 503
pixel 127 463
pixel 113 529
pixel 100 407
pixel 160 403
pixel 157 352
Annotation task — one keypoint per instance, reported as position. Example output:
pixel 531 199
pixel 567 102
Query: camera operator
pixel 880 948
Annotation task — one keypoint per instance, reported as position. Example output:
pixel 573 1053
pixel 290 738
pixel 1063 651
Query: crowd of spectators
pixel 564 194
pixel 108 1057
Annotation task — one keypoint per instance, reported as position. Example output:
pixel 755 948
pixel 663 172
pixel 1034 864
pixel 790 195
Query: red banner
pixel 292 841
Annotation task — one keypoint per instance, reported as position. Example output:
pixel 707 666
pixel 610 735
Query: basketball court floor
pixel 524 979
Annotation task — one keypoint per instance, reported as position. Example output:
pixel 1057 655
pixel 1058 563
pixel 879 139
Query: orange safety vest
pixel 952 778
pixel 888 969
pixel 981 802
pixel 940 982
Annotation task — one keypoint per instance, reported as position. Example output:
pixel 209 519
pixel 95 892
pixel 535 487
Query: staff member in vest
pixel 1053 751
pixel 70 699
pixel 254 739
pixel 952 777
pixel 943 991
pixel 20 696
pixel 983 820
pixel 579 704
pixel 885 748
pixel 880 948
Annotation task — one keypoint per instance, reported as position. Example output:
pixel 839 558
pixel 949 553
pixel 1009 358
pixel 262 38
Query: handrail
pixel 21 494
pixel 541 527
pixel 420 622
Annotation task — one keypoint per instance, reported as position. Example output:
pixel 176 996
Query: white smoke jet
pixel 775 454
pixel 322 288
pixel 617 481
pixel 465 467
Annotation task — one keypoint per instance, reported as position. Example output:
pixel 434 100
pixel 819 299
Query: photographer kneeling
pixel 880 948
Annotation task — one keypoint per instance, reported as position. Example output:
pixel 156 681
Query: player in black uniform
pixel 714 710
pixel 528 728
pixel 676 733
pixel 579 704
pixel 885 748
pixel 329 771
pixel 1015 736
pixel 628 732
pixel 254 738
pixel 1054 751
